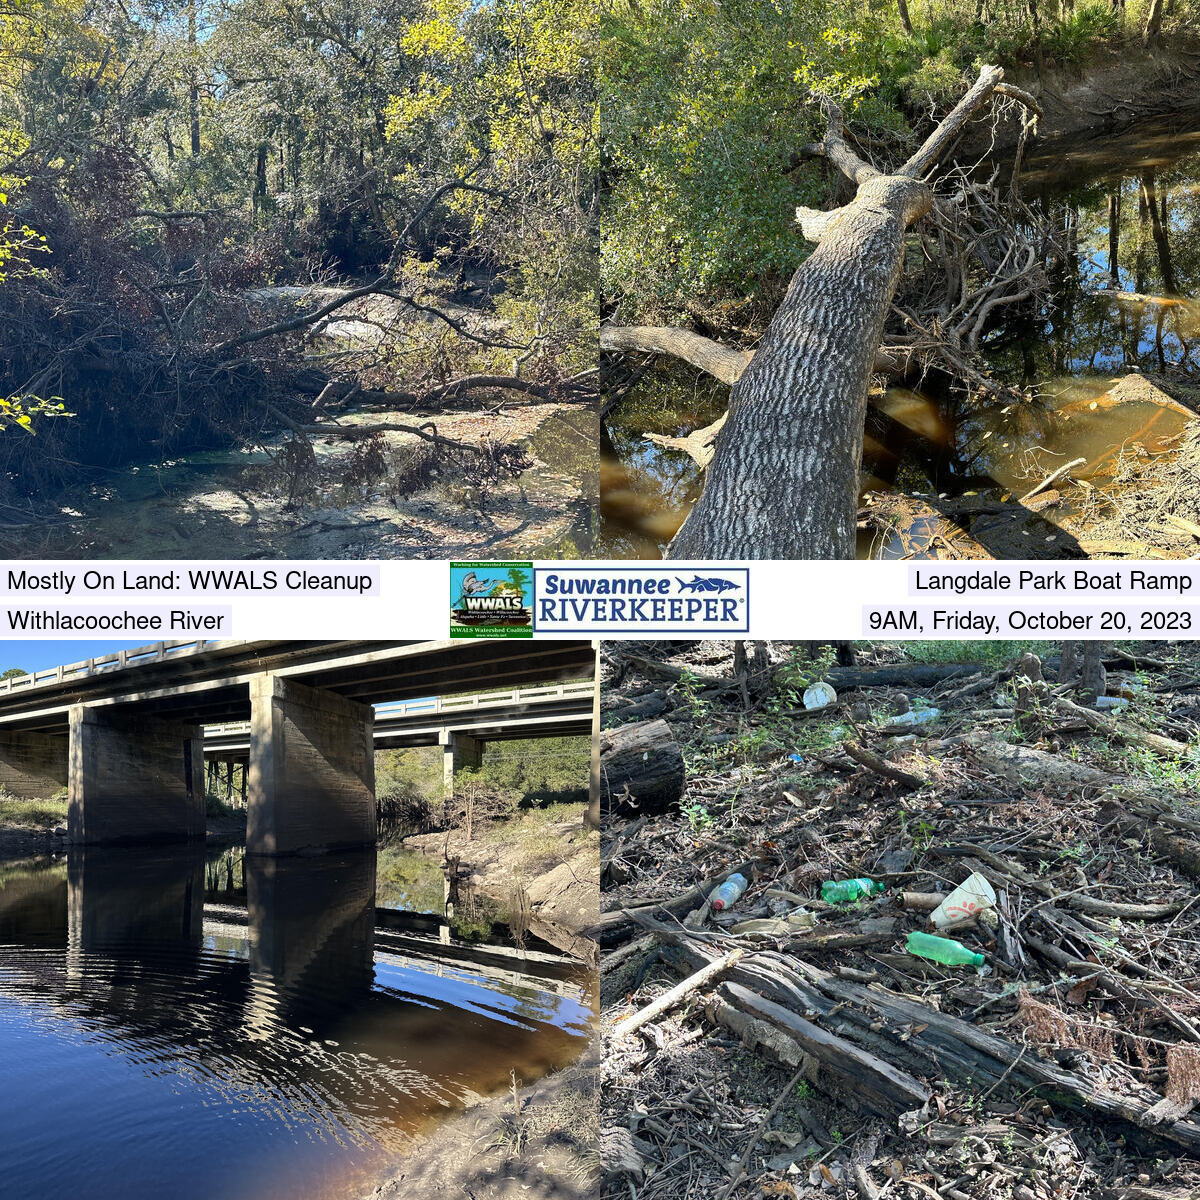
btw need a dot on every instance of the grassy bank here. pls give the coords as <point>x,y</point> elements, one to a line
<point>18,813</point>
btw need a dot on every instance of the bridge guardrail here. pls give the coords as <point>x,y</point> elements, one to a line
<point>432,706</point>
<point>155,652</point>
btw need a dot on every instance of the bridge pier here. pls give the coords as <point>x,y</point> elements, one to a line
<point>134,778</point>
<point>33,765</point>
<point>135,898</point>
<point>458,750</point>
<point>311,932</point>
<point>312,769</point>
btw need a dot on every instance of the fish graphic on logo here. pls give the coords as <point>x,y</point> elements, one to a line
<point>705,583</point>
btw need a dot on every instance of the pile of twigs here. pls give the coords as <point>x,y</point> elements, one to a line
<point>805,1052</point>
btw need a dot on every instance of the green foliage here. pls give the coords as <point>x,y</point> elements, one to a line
<point>990,654</point>
<point>13,673</point>
<point>215,805</point>
<point>698,816</point>
<point>408,789</point>
<point>705,106</point>
<point>538,771</point>
<point>801,671</point>
<point>1171,774</point>
<point>16,812</point>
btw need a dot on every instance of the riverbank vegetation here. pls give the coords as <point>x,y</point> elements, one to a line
<point>292,224</point>
<point>819,1055</point>
<point>730,121</point>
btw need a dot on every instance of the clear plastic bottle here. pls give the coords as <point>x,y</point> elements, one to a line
<point>842,891</point>
<point>727,893</point>
<point>943,950</point>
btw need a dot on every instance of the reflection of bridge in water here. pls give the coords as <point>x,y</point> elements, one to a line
<point>125,734</point>
<point>302,1003</point>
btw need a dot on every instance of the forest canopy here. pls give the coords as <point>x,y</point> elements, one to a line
<point>709,105</point>
<point>164,161</point>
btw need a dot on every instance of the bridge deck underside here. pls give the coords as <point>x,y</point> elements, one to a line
<point>217,690</point>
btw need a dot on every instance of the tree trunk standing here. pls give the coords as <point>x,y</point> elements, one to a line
<point>784,477</point>
<point>260,178</point>
<point>1082,664</point>
<point>902,5</point>
<point>1114,237</point>
<point>1153,27</point>
<point>194,89</point>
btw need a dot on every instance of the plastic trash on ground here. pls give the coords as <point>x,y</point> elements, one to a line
<point>777,926</point>
<point>842,891</point>
<point>727,893</point>
<point>1112,703</point>
<point>969,899</point>
<point>942,949</point>
<point>916,716</point>
<point>820,695</point>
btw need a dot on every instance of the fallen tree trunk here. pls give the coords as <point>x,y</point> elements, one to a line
<point>914,675</point>
<point>917,1039</point>
<point>1134,806</point>
<point>783,481</point>
<point>834,1064</point>
<point>641,768</point>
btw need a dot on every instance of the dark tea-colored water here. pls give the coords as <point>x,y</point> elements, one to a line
<point>171,1027</point>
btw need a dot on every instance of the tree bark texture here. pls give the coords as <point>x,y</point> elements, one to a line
<point>641,768</point>
<point>783,481</point>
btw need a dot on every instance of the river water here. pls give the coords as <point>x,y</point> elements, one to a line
<point>190,1024</point>
<point>1126,302</point>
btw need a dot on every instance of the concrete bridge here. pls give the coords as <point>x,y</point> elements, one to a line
<point>461,725</point>
<point>125,733</point>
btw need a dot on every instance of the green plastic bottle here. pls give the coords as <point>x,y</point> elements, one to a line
<point>842,891</point>
<point>943,950</point>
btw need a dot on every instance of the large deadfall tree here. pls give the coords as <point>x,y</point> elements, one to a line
<point>783,465</point>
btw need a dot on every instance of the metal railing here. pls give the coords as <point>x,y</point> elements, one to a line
<point>433,706</point>
<point>136,657</point>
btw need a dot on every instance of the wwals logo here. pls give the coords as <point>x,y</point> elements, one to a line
<point>491,600</point>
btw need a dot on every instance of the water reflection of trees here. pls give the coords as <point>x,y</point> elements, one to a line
<point>1124,294</point>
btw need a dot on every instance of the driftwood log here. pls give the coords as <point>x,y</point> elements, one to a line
<point>641,768</point>
<point>911,1039</point>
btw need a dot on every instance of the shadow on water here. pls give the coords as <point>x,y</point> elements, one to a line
<point>239,1027</point>
<point>1125,307</point>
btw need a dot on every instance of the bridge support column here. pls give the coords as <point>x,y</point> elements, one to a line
<point>312,769</point>
<point>458,750</point>
<point>33,765</point>
<point>134,778</point>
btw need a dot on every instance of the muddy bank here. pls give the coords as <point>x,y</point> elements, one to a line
<point>556,868</point>
<point>536,1145</point>
<point>1118,88</point>
<point>241,504</point>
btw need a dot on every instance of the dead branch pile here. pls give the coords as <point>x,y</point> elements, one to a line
<point>807,1053</point>
<point>1157,501</point>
